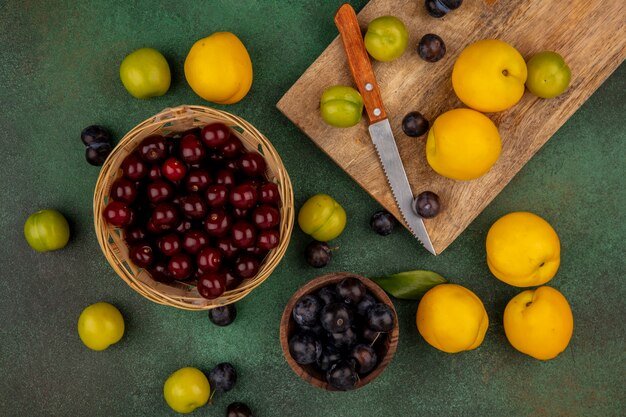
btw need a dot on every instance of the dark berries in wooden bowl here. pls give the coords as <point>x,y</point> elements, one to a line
<point>342,375</point>
<point>339,331</point>
<point>351,291</point>
<point>195,208</point>
<point>380,318</point>
<point>307,310</point>
<point>305,348</point>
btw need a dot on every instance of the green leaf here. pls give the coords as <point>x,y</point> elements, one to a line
<point>409,285</point>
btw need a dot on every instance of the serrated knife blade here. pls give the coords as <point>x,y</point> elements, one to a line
<point>385,144</point>
<point>379,129</point>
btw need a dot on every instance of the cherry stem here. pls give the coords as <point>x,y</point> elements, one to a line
<point>375,339</point>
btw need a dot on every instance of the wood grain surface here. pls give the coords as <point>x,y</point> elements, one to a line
<point>590,34</point>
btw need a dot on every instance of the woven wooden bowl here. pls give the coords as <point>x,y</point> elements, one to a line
<point>288,327</point>
<point>111,239</point>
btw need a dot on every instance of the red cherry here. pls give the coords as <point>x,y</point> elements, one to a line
<point>252,164</point>
<point>265,217</point>
<point>215,135</point>
<point>243,234</point>
<point>225,245</point>
<point>256,251</point>
<point>217,223</point>
<point>225,177</point>
<point>246,266</point>
<point>183,226</point>
<point>195,131</point>
<point>134,234</point>
<point>191,149</point>
<point>154,173</point>
<point>232,164</point>
<point>253,182</point>
<point>159,272</point>
<point>193,206</point>
<point>172,146</point>
<point>133,167</point>
<point>153,228</point>
<point>118,214</point>
<point>232,280</point>
<point>211,285</point>
<point>243,196</point>
<point>209,260</point>
<point>215,159</point>
<point>159,191</point>
<point>216,195</point>
<point>268,193</point>
<point>165,216</point>
<point>194,240</point>
<point>268,239</point>
<point>141,254</point>
<point>233,148</point>
<point>197,180</point>
<point>240,214</point>
<point>153,148</point>
<point>123,190</point>
<point>173,169</point>
<point>180,266</point>
<point>169,245</point>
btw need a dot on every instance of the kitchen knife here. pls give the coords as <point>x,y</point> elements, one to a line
<point>380,129</point>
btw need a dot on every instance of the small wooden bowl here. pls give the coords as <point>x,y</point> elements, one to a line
<point>111,239</point>
<point>288,326</point>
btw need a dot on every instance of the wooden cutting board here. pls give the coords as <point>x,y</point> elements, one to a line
<point>590,34</point>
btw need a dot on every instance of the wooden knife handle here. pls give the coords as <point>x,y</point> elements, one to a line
<point>359,62</point>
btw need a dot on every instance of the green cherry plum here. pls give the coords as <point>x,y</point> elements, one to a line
<point>341,106</point>
<point>386,38</point>
<point>46,230</point>
<point>548,75</point>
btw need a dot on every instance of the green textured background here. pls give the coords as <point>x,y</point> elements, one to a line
<point>59,73</point>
